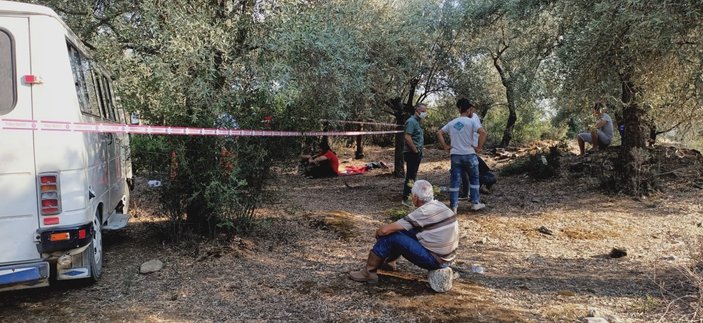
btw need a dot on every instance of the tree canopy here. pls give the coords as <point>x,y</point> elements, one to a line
<point>528,65</point>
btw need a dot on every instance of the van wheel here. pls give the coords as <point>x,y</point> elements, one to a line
<point>95,250</point>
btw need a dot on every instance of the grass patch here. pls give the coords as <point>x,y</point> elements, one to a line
<point>397,213</point>
<point>581,234</point>
<point>565,312</point>
<point>647,304</point>
<point>340,222</point>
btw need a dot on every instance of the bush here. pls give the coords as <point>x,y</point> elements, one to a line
<point>212,184</point>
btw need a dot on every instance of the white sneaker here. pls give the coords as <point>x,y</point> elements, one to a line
<point>477,206</point>
<point>454,209</point>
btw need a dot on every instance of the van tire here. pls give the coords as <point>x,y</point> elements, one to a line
<point>95,251</point>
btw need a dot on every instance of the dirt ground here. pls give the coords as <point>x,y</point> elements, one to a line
<point>294,268</point>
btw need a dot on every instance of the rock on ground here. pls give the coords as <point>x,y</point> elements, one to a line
<point>151,266</point>
<point>440,279</point>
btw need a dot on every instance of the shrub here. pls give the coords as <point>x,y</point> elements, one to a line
<point>211,184</point>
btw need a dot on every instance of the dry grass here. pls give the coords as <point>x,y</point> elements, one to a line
<point>340,222</point>
<point>564,312</point>
<point>585,234</point>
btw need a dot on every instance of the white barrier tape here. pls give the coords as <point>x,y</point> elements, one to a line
<point>361,122</point>
<point>348,133</point>
<point>39,125</point>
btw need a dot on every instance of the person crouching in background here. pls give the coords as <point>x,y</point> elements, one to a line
<point>324,164</point>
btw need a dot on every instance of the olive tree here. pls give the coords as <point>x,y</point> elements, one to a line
<point>644,53</point>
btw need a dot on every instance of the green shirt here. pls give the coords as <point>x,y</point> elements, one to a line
<point>412,127</point>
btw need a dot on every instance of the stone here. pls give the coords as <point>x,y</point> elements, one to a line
<point>535,259</point>
<point>593,312</point>
<point>151,266</point>
<point>544,230</point>
<point>594,320</point>
<point>440,280</point>
<point>618,253</point>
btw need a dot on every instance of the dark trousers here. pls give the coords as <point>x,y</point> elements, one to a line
<point>412,164</point>
<point>324,169</point>
<point>485,178</point>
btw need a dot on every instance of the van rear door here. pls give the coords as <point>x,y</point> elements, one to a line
<point>19,218</point>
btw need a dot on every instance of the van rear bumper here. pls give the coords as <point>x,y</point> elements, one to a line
<point>29,275</point>
<point>71,237</point>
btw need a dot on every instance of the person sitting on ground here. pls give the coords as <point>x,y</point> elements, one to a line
<point>427,237</point>
<point>486,179</point>
<point>601,134</point>
<point>324,164</point>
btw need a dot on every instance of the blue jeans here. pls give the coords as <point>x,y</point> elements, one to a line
<point>404,243</point>
<point>412,162</point>
<point>460,164</point>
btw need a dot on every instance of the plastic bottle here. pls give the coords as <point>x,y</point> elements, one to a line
<point>477,269</point>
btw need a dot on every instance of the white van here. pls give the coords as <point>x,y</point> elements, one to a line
<point>58,189</point>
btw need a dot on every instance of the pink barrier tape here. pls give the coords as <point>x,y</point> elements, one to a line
<point>39,125</point>
<point>348,133</point>
<point>361,122</point>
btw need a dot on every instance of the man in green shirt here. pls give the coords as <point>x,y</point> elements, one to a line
<point>412,149</point>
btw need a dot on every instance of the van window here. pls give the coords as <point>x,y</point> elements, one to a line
<point>108,98</point>
<point>92,86</point>
<point>101,97</point>
<point>83,79</point>
<point>8,86</point>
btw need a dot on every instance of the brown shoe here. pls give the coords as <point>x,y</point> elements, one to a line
<point>389,266</point>
<point>368,275</point>
<point>363,276</point>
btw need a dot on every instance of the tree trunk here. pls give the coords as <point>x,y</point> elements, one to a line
<point>396,108</point>
<point>399,170</point>
<point>483,110</point>
<point>359,154</point>
<point>634,136</point>
<point>401,112</point>
<point>512,116</point>
<point>634,180</point>
<point>508,82</point>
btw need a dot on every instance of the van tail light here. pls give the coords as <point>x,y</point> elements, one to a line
<point>49,194</point>
<point>32,79</point>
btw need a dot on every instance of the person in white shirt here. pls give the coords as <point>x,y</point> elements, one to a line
<point>601,134</point>
<point>463,150</point>
<point>427,237</point>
